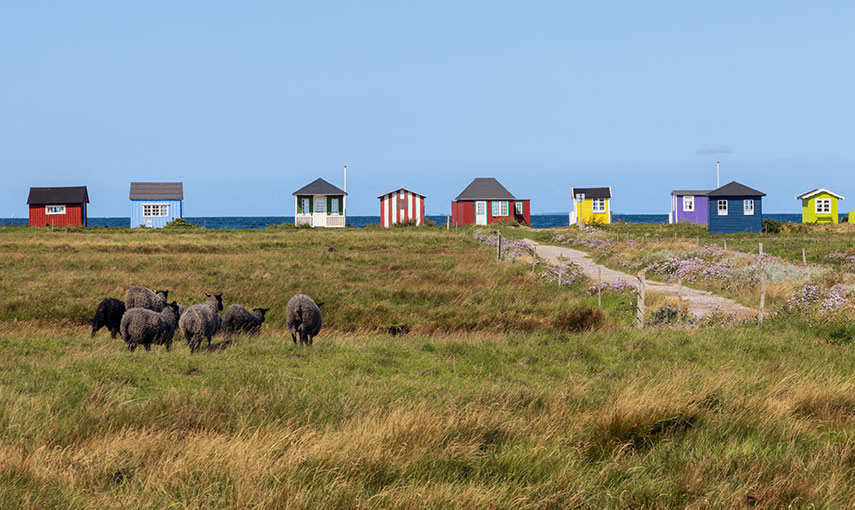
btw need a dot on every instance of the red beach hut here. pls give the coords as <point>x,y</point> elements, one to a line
<point>486,201</point>
<point>400,206</point>
<point>65,206</point>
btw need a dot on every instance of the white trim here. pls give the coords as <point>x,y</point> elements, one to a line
<point>161,207</point>
<point>501,206</point>
<point>484,216</point>
<point>60,209</point>
<point>595,202</point>
<point>815,192</point>
<point>409,205</point>
<point>692,201</point>
<point>418,207</point>
<point>721,212</point>
<point>394,211</point>
<point>746,211</point>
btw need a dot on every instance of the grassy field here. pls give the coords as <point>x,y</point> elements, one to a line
<point>442,379</point>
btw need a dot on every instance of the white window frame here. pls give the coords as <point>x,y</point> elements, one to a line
<point>499,208</point>
<point>320,206</point>
<point>598,205</point>
<point>54,209</point>
<point>826,202</point>
<point>748,207</point>
<point>518,208</point>
<point>722,211</point>
<point>334,208</point>
<point>306,204</point>
<point>689,203</point>
<point>155,210</point>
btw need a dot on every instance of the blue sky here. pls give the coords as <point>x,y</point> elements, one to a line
<point>246,102</point>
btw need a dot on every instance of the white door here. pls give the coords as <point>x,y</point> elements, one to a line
<point>480,213</point>
<point>319,217</point>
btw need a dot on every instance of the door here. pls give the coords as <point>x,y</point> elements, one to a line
<point>319,218</point>
<point>480,212</point>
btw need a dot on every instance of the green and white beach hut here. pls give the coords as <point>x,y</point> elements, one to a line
<point>819,206</point>
<point>320,204</point>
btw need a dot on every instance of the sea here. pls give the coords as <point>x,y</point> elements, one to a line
<point>259,222</point>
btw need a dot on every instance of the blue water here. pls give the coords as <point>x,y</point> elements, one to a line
<point>256,222</point>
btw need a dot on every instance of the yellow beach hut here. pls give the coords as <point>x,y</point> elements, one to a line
<point>819,206</point>
<point>591,205</point>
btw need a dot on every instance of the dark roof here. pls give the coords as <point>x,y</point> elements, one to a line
<point>157,191</point>
<point>734,189</point>
<point>694,192</point>
<point>401,189</point>
<point>592,192</point>
<point>319,187</point>
<point>485,188</point>
<point>64,195</point>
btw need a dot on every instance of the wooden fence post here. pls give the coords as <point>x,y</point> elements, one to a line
<point>762,296</point>
<point>499,247</point>
<point>761,248</point>
<point>725,245</point>
<point>534,258</point>
<point>680,300</point>
<point>448,223</point>
<point>599,286</point>
<point>639,316</point>
<point>697,241</point>
<point>804,257</point>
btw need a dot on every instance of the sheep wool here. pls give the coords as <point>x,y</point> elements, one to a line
<point>201,321</point>
<point>108,315</point>
<point>141,297</point>
<point>238,320</point>
<point>303,316</point>
<point>141,326</point>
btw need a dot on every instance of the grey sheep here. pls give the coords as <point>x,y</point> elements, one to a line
<point>141,297</point>
<point>108,314</point>
<point>238,320</point>
<point>304,318</point>
<point>141,326</point>
<point>201,321</point>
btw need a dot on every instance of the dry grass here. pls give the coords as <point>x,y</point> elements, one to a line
<point>486,416</point>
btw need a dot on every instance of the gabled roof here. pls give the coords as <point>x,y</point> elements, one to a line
<point>157,191</point>
<point>692,192</point>
<point>485,188</point>
<point>319,187</point>
<point>817,191</point>
<point>62,195</point>
<point>592,192</point>
<point>401,189</point>
<point>734,189</point>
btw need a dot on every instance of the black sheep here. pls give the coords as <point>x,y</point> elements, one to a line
<point>109,315</point>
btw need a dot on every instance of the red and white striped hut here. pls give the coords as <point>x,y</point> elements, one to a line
<point>401,205</point>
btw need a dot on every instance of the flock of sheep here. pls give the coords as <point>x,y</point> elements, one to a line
<point>146,318</point>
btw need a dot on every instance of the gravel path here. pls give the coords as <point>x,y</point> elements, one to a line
<point>698,302</point>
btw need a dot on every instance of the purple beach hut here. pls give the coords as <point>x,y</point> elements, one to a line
<point>689,205</point>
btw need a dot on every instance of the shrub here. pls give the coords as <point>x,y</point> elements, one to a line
<point>666,314</point>
<point>772,226</point>
<point>179,223</point>
<point>403,224</point>
<point>579,319</point>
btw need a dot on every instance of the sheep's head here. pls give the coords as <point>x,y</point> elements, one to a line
<point>261,312</point>
<point>174,306</point>
<point>219,298</point>
<point>162,294</point>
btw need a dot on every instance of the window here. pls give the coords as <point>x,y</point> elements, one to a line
<point>306,206</point>
<point>155,210</point>
<point>518,208</point>
<point>500,208</point>
<point>722,207</point>
<point>599,205</point>
<point>688,203</point>
<point>333,206</point>
<point>319,206</point>
<point>748,207</point>
<point>823,206</point>
<point>480,208</point>
<point>55,209</point>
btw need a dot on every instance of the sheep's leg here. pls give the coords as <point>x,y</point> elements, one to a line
<point>132,346</point>
<point>310,340</point>
<point>209,340</point>
<point>147,347</point>
<point>294,337</point>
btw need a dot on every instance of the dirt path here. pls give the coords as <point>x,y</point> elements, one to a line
<point>698,302</point>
